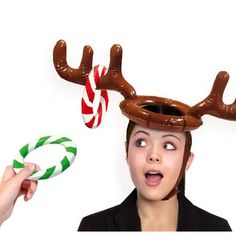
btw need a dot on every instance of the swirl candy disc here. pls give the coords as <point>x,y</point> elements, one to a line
<point>50,172</point>
<point>92,119</point>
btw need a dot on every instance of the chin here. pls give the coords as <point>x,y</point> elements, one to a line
<point>152,194</point>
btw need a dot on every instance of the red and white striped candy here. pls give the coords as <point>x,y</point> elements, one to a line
<point>93,119</point>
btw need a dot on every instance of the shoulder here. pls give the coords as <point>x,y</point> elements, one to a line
<point>99,221</point>
<point>197,219</point>
<point>211,222</point>
<point>123,217</point>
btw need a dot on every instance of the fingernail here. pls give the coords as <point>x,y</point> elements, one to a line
<point>31,166</point>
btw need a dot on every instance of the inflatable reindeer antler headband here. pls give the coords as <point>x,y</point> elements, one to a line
<point>132,105</point>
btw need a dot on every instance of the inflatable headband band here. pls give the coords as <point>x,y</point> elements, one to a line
<point>132,105</point>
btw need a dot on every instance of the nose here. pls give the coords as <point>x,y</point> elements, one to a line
<point>154,156</point>
<point>153,159</point>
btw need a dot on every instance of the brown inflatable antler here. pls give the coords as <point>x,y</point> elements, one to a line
<point>132,106</point>
<point>213,104</point>
<point>113,80</point>
<point>79,75</point>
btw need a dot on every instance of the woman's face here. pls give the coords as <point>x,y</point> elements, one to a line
<point>155,160</point>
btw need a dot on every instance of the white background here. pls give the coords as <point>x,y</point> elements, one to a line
<point>170,48</point>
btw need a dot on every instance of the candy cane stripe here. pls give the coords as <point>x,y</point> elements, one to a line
<point>65,163</point>
<point>31,146</point>
<point>24,150</point>
<point>87,117</point>
<point>19,158</point>
<point>104,96</point>
<point>90,91</point>
<point>86,99</point>
<point>96,76</point>
<point>70,157</point>
<point>61,140</point>
<point>48,173</point>
<point>42,141</point>
<point>94,82</point>
<point>35,175</point>
<point>103,70</point>
<point>18,164</point>
<point>72,150</point>
<point>86,109</point>
<point>57,170</point>
<point>90,123</point>
<point>99,114</point>
<point>93,119</point>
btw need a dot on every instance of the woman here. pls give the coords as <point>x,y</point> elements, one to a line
<point>157,161</point>
<point>157,157</point>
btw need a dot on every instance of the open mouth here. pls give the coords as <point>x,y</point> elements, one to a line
<point>153,178</point>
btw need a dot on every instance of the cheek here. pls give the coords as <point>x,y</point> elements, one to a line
<point>174,164</point>
<point>136,162</point>
<point>135,159</point>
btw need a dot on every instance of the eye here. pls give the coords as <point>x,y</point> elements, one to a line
<point>169,146</point>
<point>140,143</point>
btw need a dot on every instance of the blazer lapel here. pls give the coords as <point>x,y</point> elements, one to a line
<point>188,219</point>
<point>127,218</point>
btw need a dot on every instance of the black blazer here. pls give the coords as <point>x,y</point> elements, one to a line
<point>124,217</point>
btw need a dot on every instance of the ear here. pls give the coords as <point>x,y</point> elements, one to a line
<point>189,162</point>
<point>126,152</point>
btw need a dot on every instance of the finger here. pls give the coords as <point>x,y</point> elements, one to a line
<point>8,174</point>
<point>24,173</point>
<point>30,191</point>
<point>26,184</point>
<point>30,164</point>
<point>36,167</point>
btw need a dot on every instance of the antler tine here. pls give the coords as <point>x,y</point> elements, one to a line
<point>113,79</point>
<point>65,71</point>
<point>213,104</point>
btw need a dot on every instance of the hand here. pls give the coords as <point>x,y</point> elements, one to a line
<point>14,185</point>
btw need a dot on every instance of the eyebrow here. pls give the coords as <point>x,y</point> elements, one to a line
<point>141,131</point>
<point>163,136</point>
<point>171,135</point>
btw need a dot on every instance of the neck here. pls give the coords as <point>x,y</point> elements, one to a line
<point>158,215</point>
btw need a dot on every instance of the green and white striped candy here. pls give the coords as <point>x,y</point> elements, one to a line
<point>50,172</point>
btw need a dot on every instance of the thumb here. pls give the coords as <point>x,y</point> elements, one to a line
<point>24,173</point>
